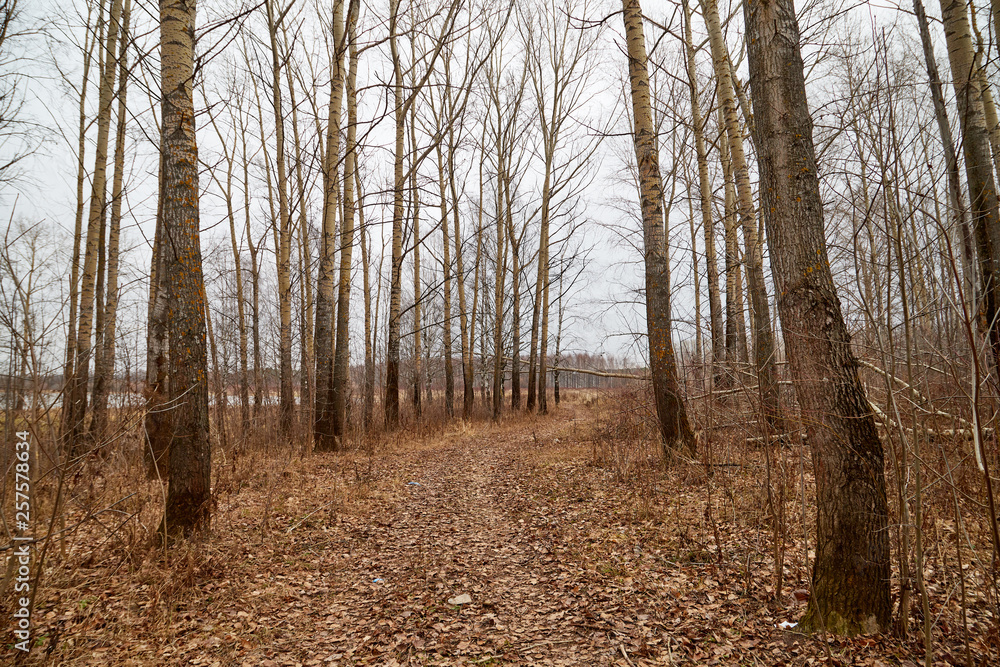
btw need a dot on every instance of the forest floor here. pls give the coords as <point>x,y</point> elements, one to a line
<point>517,544</point>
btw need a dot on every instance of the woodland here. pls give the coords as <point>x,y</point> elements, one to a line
<point>465,332</point>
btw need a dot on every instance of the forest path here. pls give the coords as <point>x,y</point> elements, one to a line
<point>465,528</point>
<point>572,542</point>
<point>500,513</point>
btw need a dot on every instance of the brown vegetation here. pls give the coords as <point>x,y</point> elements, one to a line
<point>574,542</point>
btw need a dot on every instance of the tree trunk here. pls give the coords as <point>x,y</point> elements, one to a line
<point>156,421</point>
<point>286,387</point>
<point>307,367</point>
<point>705,189</point>
<point>323,433</point>
<point>476,274</point>
<point>258,381</point>
<point>395,285</point>
<point>515,327</point>
<point>219,374</point>
<point>674,426</point>
<point>543,338</point>
<point>534,352</point>
<point>736,336</point>
<point>985,92</point>
<point>81,177</point>
<point>104,366</point>
<point>449,372</point>
<point>417,241</point>
<point>342,356</point>
<point>465,323</point>
<point>559,327</point>
<point>498,296</point>
<point>850,583</point>
<point>74,417</point>
<point>950,157</point>
<point>238,273</point>
<point>369,385</point>
<point>188,507</point>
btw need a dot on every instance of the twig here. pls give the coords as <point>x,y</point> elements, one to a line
<point>303,519</point>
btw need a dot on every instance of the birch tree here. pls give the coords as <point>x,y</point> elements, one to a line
<point>75,408</point>
<point>324,437</point>
<point>674,426</point>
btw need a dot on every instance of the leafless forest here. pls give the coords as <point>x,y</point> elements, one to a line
<point>564,332</point>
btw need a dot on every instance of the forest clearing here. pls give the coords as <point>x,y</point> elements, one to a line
<point>573,543</point>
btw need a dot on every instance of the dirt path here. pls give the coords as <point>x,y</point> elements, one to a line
<point>462,529</point>
<point>365,560</point>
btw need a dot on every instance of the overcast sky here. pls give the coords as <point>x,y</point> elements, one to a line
<point>604,307</point>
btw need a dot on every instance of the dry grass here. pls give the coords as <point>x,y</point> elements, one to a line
<point>589,478</point>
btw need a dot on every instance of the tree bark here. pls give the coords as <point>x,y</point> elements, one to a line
<point>736,335</point>
<point>395,323</point>
<point>323,432</point>
<point>674,426</point>
<point>188,507</point>
<point>342,356</point>
<point>156,421</point>
<point>705,201</point>
<point>850,581</point>
<point>104,365</point>
<point>76,414</point>
<point>286,387</point>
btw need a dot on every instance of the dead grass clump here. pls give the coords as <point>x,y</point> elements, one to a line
<point>624,432</point>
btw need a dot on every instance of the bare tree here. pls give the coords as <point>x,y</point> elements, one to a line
<point>850,582</point>
<point>705,200</point>
<point>104,366</point>
<point>342,357</point>
<point>324,438</point>
<point>75,408</point>
<point>401,110</point>
<point>763,337</point>
<point>674,426</point>
<point>188,506</point>
<point>560,59</point>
